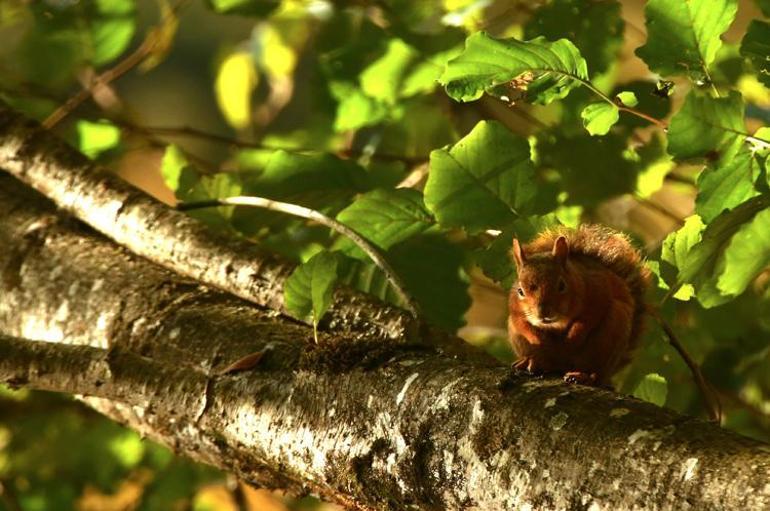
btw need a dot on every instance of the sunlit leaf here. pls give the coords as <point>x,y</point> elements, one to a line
<point>683,36</point>
<point>95,138</point>
<point>545,70</point>
<point>599,117</point>
<point>386,217</point>
<point>236,79</point>
<point>705,125</point>
<point>486,180</point>
<point>308,290</point>
<point>746,255</point>
<point>627,98</point>
<point>382,79</point>
<point>653,389</point>
<point>726,184</point>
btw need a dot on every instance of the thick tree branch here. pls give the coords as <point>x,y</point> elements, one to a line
<point>365,423</point>
<point>170,238</point>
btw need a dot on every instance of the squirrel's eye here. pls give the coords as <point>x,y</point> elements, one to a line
<point>562,286</point>
<point>521,292</point>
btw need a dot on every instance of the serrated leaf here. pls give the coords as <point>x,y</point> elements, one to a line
<point>683,36</point>
<point>595,27</point>
<point>703,263</point>
<point>598,118</point>
<point>755,46</point>
<point>704,125</point>
<point>386,217</point>
<point>653,388</point>
<point>546,70</point>
<point>747,254</point>
<point>307,293</point>
<point>485,180</point>
<point>724,185</point>
<point>95,138</point>
<point>627,98</point>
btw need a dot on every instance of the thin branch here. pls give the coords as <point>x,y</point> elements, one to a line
<point>148,46</point>
<point>374,253</point>
<point>713,405</point>
<point>187,131</point>
<point>659,208</point>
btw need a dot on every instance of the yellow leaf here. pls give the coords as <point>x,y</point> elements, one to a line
<point>236,80</point>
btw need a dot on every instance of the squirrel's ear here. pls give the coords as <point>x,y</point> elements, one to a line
<point>518,254</point>
<point>560,249</point>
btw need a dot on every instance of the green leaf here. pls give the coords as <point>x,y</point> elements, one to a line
<point>747,254</point>
<point>703,264</point>
<point>128,448</point>
<point>704,125</point>
<point>599,117</point>
<point>308,291</point>
<point>95,138</point>
<point>727,184</point>
<point>764,6</point>
<point>235,82</point>
<point>755,46</point>
<point>595,27</point>
<point>676,250</point>
<point>627,98</point>
<point>171,166</point>
<point>545,70</point>
<point>653,389</point>
<point>386,217</point>
<point>112,29</point>
<point>683,36</point>
<point>382,79</point>
<point>356,110</point>
<point>485,180</point>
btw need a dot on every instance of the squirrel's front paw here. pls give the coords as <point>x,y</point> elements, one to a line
<point>526,364</point>
<point>577,377</point>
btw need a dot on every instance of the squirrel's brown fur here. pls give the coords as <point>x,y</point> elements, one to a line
<point>593,323</point>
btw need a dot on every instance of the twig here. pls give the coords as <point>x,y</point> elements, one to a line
<point>659,208</point>
<point>150,42</point>
<point>711,398</point>
<point>371,250</point>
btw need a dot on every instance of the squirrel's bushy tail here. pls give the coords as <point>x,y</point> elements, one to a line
<point>613,250</point>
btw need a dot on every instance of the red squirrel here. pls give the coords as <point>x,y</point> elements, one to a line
<point>578,307</point>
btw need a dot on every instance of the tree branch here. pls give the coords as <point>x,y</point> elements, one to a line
<point>368,424</point>
<point>170,238</point>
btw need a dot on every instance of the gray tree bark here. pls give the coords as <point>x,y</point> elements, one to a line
<point>357,420</point>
